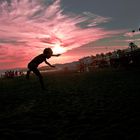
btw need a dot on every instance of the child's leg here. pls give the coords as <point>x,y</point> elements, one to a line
<point>28,73</point>
<point>37,73</point>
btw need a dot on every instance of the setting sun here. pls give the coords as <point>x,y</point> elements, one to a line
<point>57,49</point>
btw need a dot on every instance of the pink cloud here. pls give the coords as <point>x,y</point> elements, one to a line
<point>29,27</point>
<point>96,19</point>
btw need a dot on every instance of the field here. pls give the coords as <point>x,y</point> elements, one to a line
<point>97,105</point>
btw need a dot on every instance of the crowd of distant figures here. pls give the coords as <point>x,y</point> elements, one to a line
<point>12,74</point>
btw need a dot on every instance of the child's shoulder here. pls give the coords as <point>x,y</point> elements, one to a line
<point>41,55</point>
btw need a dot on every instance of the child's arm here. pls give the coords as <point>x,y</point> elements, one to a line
<point>56,55</point>
<point>49,64</point>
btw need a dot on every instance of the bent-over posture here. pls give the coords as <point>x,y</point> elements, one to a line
<point>33,64</point>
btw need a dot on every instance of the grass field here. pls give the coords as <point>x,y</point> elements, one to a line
<point>97,105</point>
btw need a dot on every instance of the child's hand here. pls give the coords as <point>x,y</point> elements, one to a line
<point>58,54</point>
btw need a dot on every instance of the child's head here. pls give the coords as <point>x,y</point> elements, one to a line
<point>48,52</point>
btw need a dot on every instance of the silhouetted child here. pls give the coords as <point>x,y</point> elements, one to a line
<point>33,64</point>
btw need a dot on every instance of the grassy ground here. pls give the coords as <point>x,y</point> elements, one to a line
<point>97,105</point>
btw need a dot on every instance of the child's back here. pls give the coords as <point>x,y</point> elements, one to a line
<point>38,59</point>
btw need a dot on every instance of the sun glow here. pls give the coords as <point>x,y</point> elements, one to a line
<point>57,49</point>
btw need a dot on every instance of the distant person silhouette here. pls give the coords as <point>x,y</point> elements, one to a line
<point>132,46</point>
<point>33,64</point>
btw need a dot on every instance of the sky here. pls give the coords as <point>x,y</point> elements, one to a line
<point>74,28</point>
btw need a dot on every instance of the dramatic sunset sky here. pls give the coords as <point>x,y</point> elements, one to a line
<point>75,28</point>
